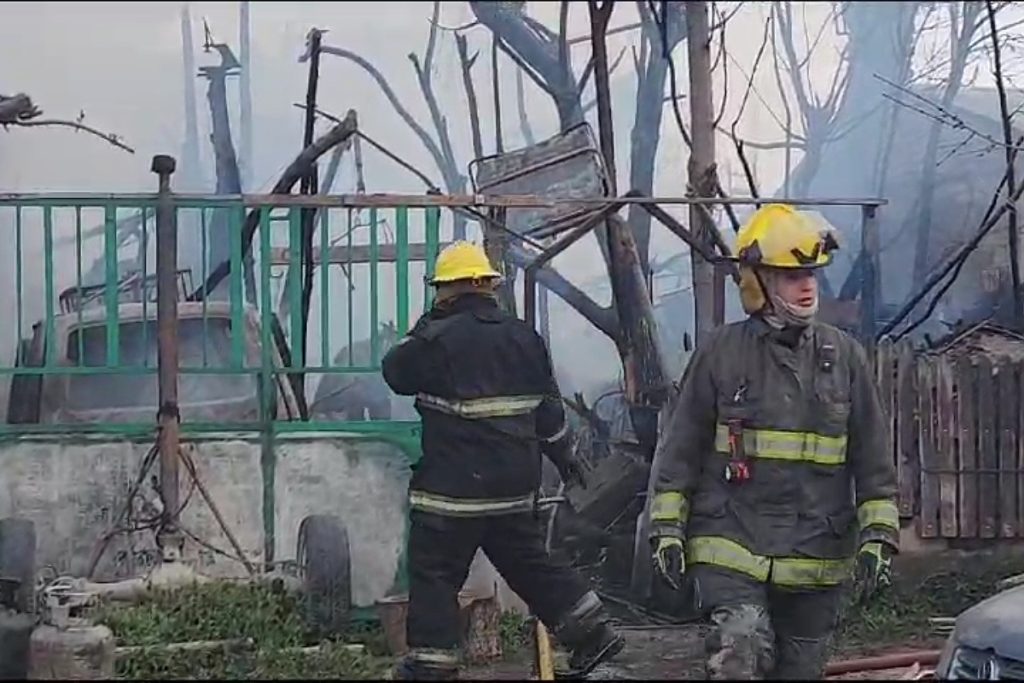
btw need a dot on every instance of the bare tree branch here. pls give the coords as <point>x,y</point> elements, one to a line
<point>524,119</point>
<point>529,42</point>
<point>423,75</point>
<point>389,93</point>
<point>1011,183</point>
<point>455,29</point>
<point>296,170</point>
<point>725,73</point>
<point>467,82</point>
<point>564,57</point>
<point>19,110</point>
<point>787,127</point>
<point>115,140</point>
<point>737,143</point>
<point>942,115</point>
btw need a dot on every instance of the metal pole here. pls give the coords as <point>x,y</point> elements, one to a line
<point>530,295</point>
<point>167,339</point>
<point>871,284</point>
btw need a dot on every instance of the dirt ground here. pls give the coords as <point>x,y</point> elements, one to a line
<point>940,584</point>
<point>652,653</point>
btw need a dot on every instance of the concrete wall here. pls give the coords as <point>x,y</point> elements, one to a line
<point>72,489</point>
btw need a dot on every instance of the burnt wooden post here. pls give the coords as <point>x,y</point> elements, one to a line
<point>871,274</point>
<point>167,339</point>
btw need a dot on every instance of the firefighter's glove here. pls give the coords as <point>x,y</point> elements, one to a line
<point>874,570</point>
<point>669,560</point>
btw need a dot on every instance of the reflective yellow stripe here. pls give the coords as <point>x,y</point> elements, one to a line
<point>878,513</point>
<point>783,571</point>
<point>798,571</point>
<point>432,502</point>
<point>774,444</point>
<point>559,434</point>
<point>482,408</point>
<point>725,553</point>
<point>434,656</point>
<point>670,506</point>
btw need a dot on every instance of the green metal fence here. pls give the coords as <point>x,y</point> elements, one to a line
<point>81,309</point>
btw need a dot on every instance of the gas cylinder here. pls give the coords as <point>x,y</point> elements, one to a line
<point>67,646</point>
<point>15,631</point>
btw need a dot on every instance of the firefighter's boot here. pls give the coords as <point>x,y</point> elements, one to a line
<point>427,666</point>
<point>589,636</point>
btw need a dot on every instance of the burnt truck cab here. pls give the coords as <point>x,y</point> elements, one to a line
<point>96,394</point>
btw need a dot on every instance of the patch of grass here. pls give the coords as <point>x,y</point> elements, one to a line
<point>515,633</point>
<point>222,611</point>
<point>941,588</point>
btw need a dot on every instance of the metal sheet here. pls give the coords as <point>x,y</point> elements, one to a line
<point>565,166</point>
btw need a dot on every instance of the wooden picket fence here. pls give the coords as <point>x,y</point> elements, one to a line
<point>957,437</point>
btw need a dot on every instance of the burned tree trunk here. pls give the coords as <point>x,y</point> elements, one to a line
<point>638,345</point>
<point>652,70</point>
<point>538,51</point>
<point>229,180</point>
<point>245,95</point>
<point>701,167</point>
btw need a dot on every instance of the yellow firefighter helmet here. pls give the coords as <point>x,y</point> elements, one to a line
<point>779,236</point>
<point>462,261</point>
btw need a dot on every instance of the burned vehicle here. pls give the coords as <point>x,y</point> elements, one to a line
<point>987,642</point>
<point>78,339</point>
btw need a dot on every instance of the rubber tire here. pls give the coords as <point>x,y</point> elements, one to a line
<point>323,555</point>
<point>18,558</point>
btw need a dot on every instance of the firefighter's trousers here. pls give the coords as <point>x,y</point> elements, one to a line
<point>764,631</point>
<point>441,550</point>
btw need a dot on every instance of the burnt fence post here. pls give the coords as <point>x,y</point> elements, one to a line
<point>168,416</point>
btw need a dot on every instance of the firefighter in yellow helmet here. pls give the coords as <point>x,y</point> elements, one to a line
<point>773,483</point>
<point>490,407</point>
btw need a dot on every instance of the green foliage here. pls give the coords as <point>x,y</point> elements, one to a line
<point>514,632</point>
<point>942,588</point>
<point>223,611</point>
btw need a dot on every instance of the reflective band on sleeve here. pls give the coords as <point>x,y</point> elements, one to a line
<point>434,656</point>
<point>773,444</point>
<point>559,434</point>
<point>878,513</point>
<point>670,506</point>
<point>468,507</point>
<point>798,571</point>
<point>482,408</point>
<point>722,552</point>
<point>783,571</point>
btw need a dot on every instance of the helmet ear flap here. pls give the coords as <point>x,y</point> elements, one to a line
<point>751,253</point>
<point>752,294</point>
<point>829,242</point>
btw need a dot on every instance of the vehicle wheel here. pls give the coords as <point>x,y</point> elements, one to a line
<point>323,558</point>
<point>18,558</point>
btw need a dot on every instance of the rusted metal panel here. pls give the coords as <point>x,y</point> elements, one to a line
<point>988,460</point>
<point>946,427</point>
<point>929,519</point>
<point>565,166</point>
<point>966,377</point>
<point>1007,379</point>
